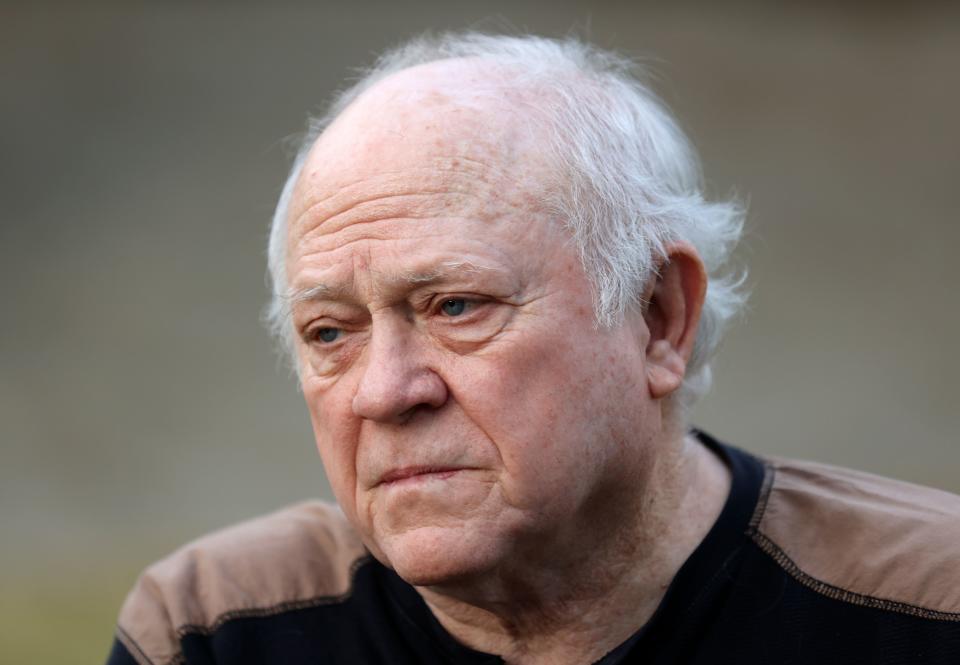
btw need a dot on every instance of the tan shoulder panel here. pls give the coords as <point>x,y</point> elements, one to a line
<point>865,539</point>
<point>301,555</point>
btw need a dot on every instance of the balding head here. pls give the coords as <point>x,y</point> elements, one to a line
<point>430,119</point>
<point>609,160</point>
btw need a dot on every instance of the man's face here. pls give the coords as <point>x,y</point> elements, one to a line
<point>467,408</point>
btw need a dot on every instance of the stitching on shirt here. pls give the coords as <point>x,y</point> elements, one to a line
<point>139,655</point>
<point>133,647</point>
<point>765,488</point>
<point>279,608</point>
<point>836,593</point>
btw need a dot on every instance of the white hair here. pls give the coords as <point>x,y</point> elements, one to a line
<point>628,181</point>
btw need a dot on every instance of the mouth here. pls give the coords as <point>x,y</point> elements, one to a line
<point>414,473</point>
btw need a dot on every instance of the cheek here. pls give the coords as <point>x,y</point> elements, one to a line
<point>558,412</point>
<point>335,430</point>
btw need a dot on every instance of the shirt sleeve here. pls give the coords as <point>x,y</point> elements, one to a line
<point>119,655</point>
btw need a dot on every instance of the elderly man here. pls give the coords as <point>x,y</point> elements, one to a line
<point>498,278</point>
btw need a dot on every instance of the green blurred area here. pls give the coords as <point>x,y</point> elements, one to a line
<point>61,620</point>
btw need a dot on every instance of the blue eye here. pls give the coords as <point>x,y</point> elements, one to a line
<point>453,306</point>
<point>328,334</point>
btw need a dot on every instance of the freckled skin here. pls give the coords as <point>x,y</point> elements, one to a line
<point>548,419</point>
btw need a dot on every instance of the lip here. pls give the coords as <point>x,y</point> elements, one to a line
<point>409,473</point>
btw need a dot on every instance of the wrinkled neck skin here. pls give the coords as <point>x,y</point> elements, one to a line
<point>574,599</point>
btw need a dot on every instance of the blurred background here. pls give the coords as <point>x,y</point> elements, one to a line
<point>141,152</point>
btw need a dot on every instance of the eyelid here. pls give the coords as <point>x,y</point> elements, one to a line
<point>438,299</point>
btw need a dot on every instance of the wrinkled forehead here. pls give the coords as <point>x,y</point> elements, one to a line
<point>435,123</point>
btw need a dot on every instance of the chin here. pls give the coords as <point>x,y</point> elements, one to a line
<point>435,556</point>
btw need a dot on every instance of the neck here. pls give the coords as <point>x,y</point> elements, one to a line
<point>545,608</point>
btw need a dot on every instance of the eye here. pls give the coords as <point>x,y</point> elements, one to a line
<point>328,335</point>
<point>453,306</point>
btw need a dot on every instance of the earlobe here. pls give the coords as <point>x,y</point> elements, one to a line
<point>665,369</point>
<point>672,315</point>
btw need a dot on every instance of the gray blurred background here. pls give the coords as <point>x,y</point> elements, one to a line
<point>140,156</point>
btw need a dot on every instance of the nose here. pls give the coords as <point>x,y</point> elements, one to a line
<point>396,382</point>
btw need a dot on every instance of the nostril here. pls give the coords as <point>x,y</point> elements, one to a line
<point>430,393</point>
<point>412,412</point>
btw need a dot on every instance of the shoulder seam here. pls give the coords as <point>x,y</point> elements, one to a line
<point>765,488</point>
<point>138,654</point>
<point>836,593</point>
<point>131,645</point>
<point>279,608</point>
<point>196,629</point>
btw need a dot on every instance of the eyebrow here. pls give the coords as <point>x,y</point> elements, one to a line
<point>442,272</point>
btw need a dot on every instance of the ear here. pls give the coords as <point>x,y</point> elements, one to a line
<point>674,300</point>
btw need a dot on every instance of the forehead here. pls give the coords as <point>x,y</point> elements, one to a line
<point>432,164</point>
<point>454,127</point>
